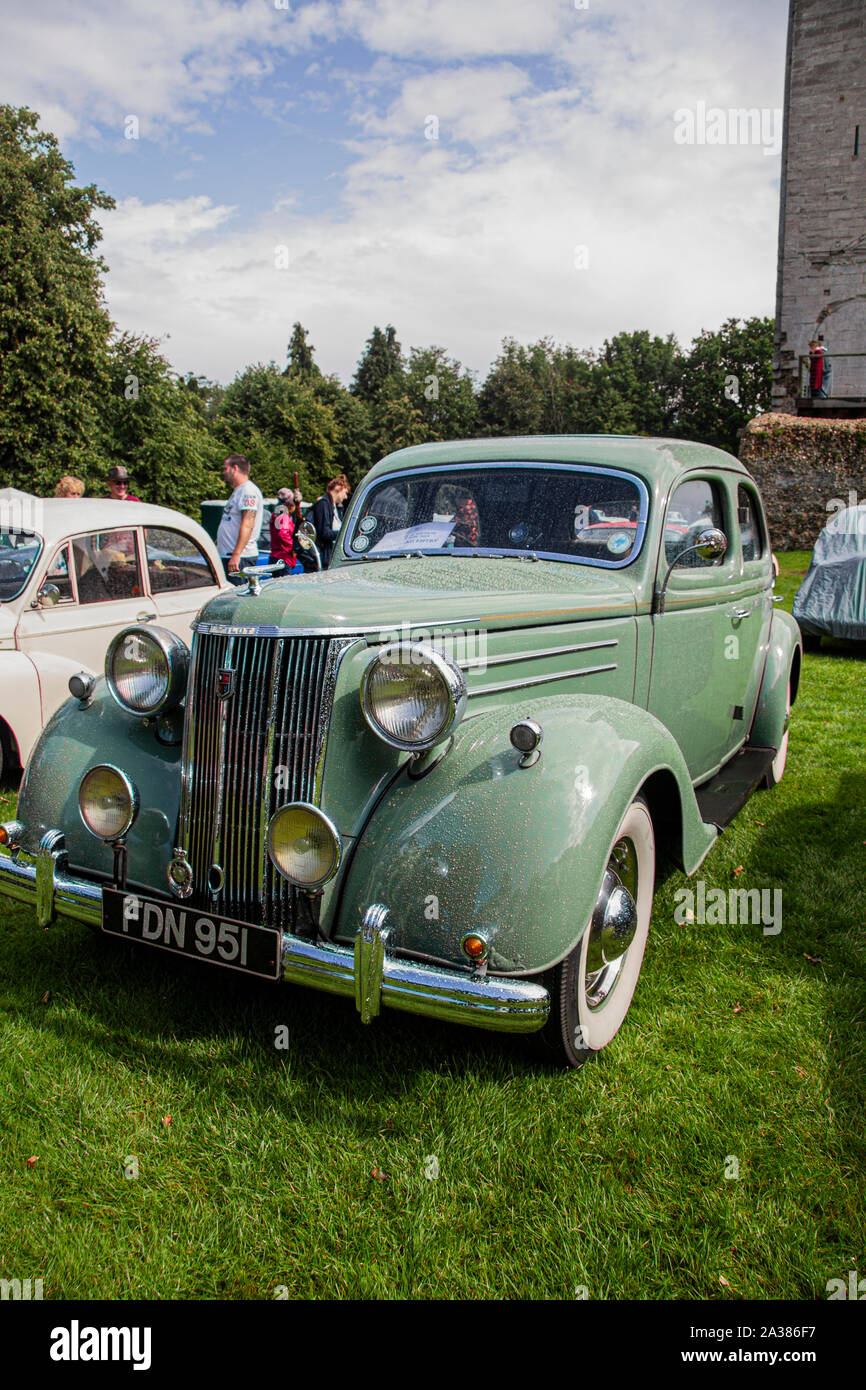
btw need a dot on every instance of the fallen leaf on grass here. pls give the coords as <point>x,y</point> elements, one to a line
<point>814,960</point>
<point>46,996</point>
<point>738,870</point>
<point>723,1280</point>
<point>801,1072</point>
<point>738,1008</point>
<point>166,1120</point>
<point>378,1174</point>
<point>31,1162</point>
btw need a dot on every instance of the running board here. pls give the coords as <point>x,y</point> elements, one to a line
<point>725,795</point>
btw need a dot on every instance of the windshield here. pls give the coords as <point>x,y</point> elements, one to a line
<point>590,515</point>
<point>19,551</point>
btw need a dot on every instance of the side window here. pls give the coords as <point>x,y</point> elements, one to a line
<point>749,517</point>
<point>59,574</point>
<point>106,566</point>
<point>174,561</point>
<point>695,506</point>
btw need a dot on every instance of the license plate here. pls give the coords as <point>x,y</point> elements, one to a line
<point>187,931</point>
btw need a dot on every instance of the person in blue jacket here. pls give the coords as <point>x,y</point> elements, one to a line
<point>327,518</point>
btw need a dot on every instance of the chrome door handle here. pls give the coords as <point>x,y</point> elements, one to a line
<point>740,613</point>
<point>145,617</point>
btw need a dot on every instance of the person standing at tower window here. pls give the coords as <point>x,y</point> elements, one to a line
<point>819,370</point>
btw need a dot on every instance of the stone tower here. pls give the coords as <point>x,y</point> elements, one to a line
<point>821,284</point>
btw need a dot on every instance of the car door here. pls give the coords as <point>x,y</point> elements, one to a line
<point>101,590</point>
<point>180,577</point>
<point>699,656</point>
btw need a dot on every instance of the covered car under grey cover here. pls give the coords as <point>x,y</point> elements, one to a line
<point>831,601</point>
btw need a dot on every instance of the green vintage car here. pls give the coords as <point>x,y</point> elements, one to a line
<point>436,776</point>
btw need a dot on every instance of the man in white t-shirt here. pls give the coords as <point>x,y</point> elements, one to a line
<point>238,535</point>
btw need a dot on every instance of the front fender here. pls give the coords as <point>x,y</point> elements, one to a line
<point>481,844</point>
<point>21,706</point>
<point>75,739</point>
<point>784,659</point>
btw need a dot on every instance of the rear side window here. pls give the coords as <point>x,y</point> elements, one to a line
<point>174,561</point>
<point>106,566</point>
<point>749,517</point>
<point>696,506</point>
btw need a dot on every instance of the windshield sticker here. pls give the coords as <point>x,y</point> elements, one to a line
<point>619,542</point>
<point>431,536</point>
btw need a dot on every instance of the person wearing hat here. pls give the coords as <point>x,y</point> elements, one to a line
<point>118,484</point>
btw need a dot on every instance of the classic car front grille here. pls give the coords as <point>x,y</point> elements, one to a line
<point>246,754</point>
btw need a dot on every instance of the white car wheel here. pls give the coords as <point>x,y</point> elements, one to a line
<point>591,990</point>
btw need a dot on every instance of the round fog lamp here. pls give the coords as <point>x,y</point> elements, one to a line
<point>304,845</point>
<point>108,802</point>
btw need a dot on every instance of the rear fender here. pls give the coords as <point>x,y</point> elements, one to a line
<point>784,659</point>
<point>482,844</point>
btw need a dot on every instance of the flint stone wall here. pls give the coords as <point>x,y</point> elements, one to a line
<point>800,466</point>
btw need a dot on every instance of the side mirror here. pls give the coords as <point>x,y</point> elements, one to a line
<point>47,597</point>
<point>711,544</point>
<point>307,528</point>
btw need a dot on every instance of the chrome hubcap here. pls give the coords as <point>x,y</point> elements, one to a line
<point>613,925</point>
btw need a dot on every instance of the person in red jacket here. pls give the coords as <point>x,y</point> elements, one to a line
<point>283,530</point>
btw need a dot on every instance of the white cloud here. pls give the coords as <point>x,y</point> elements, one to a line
<point>556,131</point>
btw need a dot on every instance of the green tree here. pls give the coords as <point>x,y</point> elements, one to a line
<point>443,393</point>
<point>282,427</point>
<point>727,379</point>
<point>637,378</point>
<point>381,364</point>
<point>300,352</point>
<point>153,423</point>
<point>54,329</point>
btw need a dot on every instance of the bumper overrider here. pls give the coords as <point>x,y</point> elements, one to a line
<point>367,972</point>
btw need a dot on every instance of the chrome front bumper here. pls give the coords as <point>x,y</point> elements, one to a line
<point>367,972</point>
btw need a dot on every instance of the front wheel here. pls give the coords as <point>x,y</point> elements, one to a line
<point>590,991</point>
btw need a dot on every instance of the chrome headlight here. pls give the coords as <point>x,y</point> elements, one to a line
<point>412,696</point>
<point>304,845</point>
<point>108,802</point>
<point>146,669</point>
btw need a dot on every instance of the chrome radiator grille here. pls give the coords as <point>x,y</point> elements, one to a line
<point>245,755</point>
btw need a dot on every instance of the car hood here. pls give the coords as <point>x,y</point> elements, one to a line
<point>478,591</point>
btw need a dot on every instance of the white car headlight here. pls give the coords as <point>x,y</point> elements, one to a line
<point>412,696</point>
<point>146,669</point>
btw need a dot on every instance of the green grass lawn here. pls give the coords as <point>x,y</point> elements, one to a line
<point>308,1167</point>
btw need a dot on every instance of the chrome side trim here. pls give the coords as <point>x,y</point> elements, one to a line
<point>539,680</point>
<point>533,656</point>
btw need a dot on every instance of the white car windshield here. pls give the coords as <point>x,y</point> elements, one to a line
<point>19,551</point>
<point>574,513</point>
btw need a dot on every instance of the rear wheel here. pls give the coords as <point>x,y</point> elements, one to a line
<point>591,990</point>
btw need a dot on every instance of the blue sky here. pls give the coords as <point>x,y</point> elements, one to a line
<point>463,169</point>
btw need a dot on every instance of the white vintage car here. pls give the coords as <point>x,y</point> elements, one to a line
<point>73,572</point>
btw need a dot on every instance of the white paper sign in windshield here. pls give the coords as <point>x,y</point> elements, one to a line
<point>431,536</point>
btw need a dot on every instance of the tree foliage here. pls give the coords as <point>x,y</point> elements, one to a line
<point>54,329</point>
